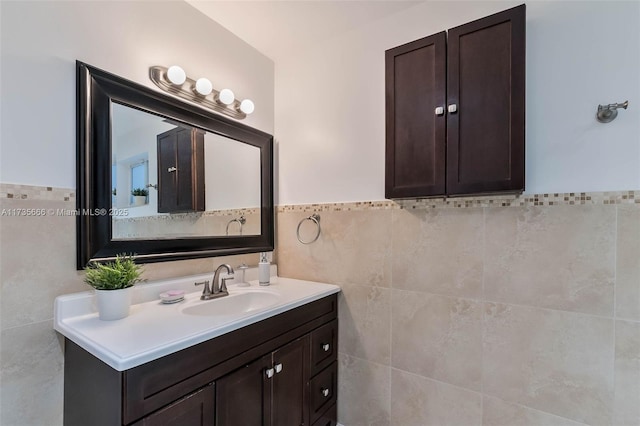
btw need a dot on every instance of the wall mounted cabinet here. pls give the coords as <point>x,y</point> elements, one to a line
<point>455,110</point>
<point>181,171</point>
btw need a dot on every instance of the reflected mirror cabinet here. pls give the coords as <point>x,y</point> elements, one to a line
<point>166,180</point>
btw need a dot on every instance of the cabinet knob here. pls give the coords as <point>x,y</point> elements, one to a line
<point>325,347</point>
<point>325,392</point>
<point>453,108</point>
<point>172,169</point>
<point>278,368</point>
<point>440,110</point>
<point>269,372</point>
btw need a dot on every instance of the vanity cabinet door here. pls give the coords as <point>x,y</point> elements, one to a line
<point>196,409</point>
<point>243,397</point>
<point>290,384</point>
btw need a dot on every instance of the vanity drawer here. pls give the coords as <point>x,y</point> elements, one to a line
<point>324,346</point>
<point>323,391</point>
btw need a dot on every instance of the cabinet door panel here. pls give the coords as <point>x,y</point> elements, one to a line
<point>242,397</point>
<point>196,409</point>
<point>486,81</point>
<point>290,398</point>
<point>415,135</point>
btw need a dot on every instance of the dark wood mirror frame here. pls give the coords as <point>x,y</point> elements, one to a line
<point>96,90</point>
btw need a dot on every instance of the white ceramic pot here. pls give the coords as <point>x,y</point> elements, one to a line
<point>113,304</point>
<point>139,200</point>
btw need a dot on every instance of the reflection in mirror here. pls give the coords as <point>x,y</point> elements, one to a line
<point>188,182</point>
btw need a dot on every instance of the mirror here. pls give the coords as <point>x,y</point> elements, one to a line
<point>166,180</point>
<point>143,161</point>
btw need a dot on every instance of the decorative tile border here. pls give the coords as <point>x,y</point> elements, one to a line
<point>556,199</point>
<point>29,192</point>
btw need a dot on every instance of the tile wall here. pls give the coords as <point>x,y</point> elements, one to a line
<point>493,310</point>
<point>38,263</point>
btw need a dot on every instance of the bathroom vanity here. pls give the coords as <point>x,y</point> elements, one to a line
<point>271,362</point>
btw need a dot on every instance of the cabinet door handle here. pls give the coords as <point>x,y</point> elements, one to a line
<point>269,372</point>
<point>278,368</point>
<point>325,347</point>
<point>172,169</point>
<point>439,110</point>
<point>453,108</point>
<point>325,392</point>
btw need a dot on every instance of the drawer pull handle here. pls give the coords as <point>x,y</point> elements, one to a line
<point>325,347</point>
<point>325,392</point>
<point>278,368</point>
<point>269,372</point>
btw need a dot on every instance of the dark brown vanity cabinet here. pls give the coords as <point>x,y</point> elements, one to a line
<point>281,371</point>
<point>181,170</point>
<point>455,110</point>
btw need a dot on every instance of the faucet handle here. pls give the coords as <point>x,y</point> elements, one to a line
<point>223,286</point>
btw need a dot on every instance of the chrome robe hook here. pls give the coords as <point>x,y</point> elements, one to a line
<point>608,113</point>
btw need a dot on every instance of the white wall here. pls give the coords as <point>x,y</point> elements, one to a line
<point>40,42</point>
<point>330,100</point>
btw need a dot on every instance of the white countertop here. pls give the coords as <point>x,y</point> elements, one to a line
<point>154,329</point>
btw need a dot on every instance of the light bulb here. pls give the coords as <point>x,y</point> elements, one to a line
<point>226,96</point>
<point>176,75</point>
<point>203,86</point>
<point>247,106</point>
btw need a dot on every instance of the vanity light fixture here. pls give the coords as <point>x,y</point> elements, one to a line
<point>175,81</point>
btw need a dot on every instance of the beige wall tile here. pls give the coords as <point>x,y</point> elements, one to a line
<point>628,262</point>
<point>559,257</point>
<point>418,401</point>
<point>437,337</point>
<point>496,412</point>
<point>365,322</point>
<point>32,376</point>
<point>363,392</point>
<point>353,247</point>
<point>557,362</point>
<point>38,255</point>
<point>627,374</point>
<point>439,251</point>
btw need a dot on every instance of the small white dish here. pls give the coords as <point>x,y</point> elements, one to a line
<point>172,296</point>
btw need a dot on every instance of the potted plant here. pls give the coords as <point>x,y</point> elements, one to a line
<point>113,282</point>
<point>139,196</point>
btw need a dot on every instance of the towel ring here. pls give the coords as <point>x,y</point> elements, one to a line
<point>315,218</point>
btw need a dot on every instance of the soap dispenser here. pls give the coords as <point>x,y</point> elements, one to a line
<point>264,269</point>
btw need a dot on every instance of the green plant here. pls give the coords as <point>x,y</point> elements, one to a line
<point>120,273</point>
<point>139,192</point>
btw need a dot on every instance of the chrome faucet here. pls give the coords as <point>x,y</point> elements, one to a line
<point>218,290</point>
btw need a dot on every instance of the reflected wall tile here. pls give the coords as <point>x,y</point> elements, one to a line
<point>628,262</point>
<point>38,261</point>
<point>180,268</point>
<point>365,322</point>
<point>353,247</point>
<point>558,362</point>
<point>419,401</point>
<point>32,375</point>
<point>559,257</point>
<point>437,337</point>
<point>439,251</point>
<point>496,412</point>
<point>627,374</point>
<point>363,392</point>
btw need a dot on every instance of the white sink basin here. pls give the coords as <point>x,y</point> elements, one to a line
<point>233,304</point>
